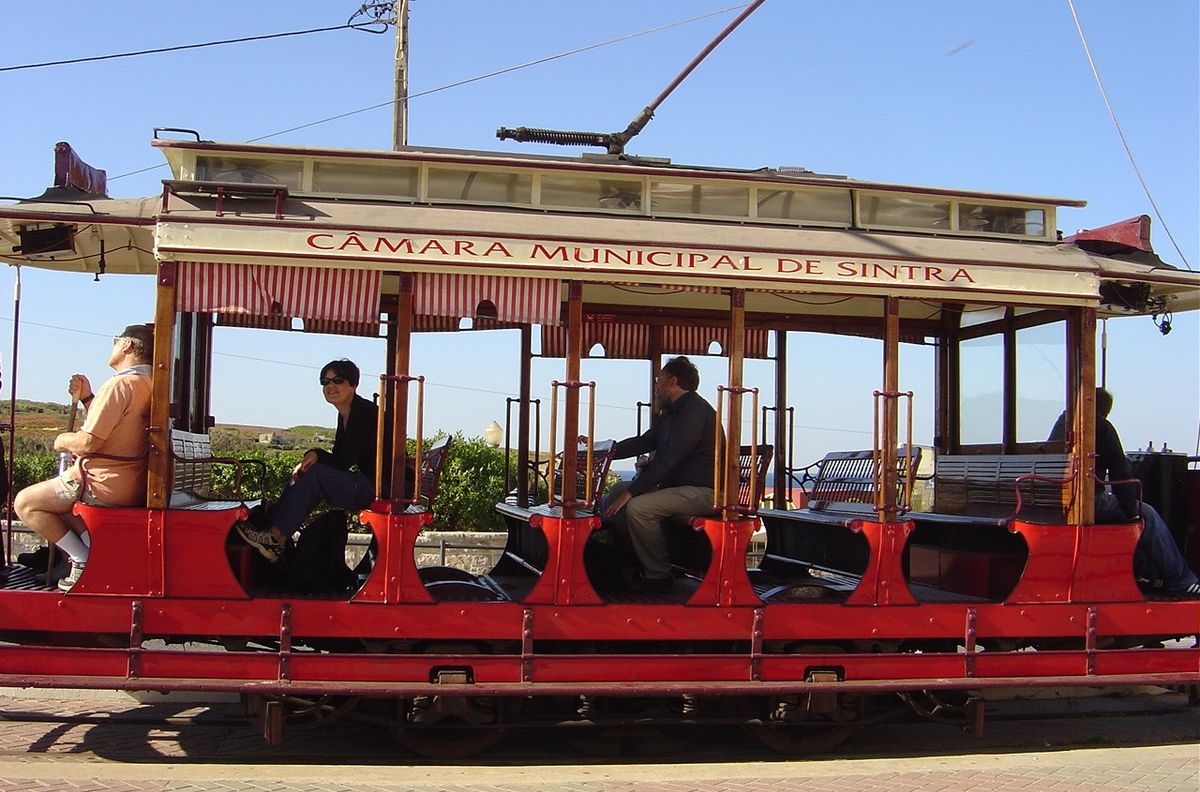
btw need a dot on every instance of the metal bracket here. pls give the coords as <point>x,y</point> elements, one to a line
<point>527,645</point>
<point>285,641</point>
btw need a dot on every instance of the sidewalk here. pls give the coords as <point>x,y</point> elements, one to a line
<point>1160,769</point>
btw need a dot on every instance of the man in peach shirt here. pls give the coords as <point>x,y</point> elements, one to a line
<point>118,416</point>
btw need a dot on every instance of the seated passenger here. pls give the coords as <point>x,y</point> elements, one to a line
<point>117,421</point>
<point>677,480</point>
<point>326,475</point>
<point>1157,562</point>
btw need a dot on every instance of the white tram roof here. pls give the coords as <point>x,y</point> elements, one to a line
<point>786,236</point>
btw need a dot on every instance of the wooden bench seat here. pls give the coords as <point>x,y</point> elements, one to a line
<point>191,482</point>
<point>995,489</point>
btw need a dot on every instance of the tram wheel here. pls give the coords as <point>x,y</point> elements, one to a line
<point>806,725</point>
<point>302,713</point>
<point>453,727</point>
<point>803,739</point>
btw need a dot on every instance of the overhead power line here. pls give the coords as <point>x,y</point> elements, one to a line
<point>477,78</point>
<point>369,27</point>
<point>1121,134</point>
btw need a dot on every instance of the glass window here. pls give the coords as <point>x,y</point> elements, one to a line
<point>814,206</point>
<point>1041,380</point>
<point>981,390</point>
<point>591,192</point>
<point>721,200</point>
<point>480,186</point>
<point>389,180</point>
<point>1002,219</point>
<point>248,170</point>
<point>903,211</point>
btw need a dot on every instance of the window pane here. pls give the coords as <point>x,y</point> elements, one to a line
<point>699,199</point>
<point>392,181</point>
<point>481,186</point>
<point>903,211</point>
<point>249,171</point>
<point>981,386</point>
<point>1041,381</point>
<point>1002,219</point>
<point>816,206</point>
<point>590,192</point>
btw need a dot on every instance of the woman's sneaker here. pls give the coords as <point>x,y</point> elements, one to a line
<point>261,539</point>
<point>73,576</point>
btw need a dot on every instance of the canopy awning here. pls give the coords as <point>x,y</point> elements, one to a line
<point>320,293</point>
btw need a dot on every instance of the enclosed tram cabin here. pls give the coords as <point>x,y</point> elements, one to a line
<point>860,591</point>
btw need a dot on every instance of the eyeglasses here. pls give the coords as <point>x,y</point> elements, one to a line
<point>118,338</point>
<point>331,380</point>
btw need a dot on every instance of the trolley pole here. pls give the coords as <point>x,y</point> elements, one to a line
<point>400,105</point>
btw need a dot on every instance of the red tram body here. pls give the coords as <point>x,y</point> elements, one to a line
<point>860,592</point>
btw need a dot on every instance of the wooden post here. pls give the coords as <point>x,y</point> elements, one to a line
<point>400,366</point>
<point>526,385</point>
<point>1081,331</point>
<point>158,466</point>
<point>947,411</point>
<point>736,351</point>
<point>570,464</point>
<point>782,461</point>
<point>1008,423</point>
<point>889,431</point>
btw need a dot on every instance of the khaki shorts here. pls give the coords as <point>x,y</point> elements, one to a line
<point>70,490</point>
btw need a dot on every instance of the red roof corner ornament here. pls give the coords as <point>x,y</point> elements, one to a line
<point>71,171</point>
<point>1133,233</point>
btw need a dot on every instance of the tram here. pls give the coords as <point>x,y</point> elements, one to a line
<point>892,572</point>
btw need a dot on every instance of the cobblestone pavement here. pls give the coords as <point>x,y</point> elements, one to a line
<point>112,742</point>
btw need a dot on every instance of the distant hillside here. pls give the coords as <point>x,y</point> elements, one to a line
<point>38,422</point>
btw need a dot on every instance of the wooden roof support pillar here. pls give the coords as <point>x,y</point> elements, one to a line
<point>782,458</point>
<point>1081,340</point>
<point>736,352</point>
<point>571,411</point>
<point>526,389</point>
<point>889,429</point>
<point>948,432</point>
<point>401,362</point>
<point>1008,422</point>
<point>158,466</point>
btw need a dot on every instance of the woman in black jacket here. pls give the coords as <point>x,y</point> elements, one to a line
<point>328,476</point>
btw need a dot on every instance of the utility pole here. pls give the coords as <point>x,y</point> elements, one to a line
<point>400,106</point>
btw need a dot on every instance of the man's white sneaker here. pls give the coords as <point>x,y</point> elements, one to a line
<point>73,576</point>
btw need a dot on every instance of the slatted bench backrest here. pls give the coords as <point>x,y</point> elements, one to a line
<point>192,454</point>
<point>970,482</point>
<point>853,477</point>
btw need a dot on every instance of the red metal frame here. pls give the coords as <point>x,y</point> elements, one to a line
<point>165,573</point>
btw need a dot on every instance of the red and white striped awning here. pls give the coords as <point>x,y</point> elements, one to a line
<point>631,340</point>
<point>523,300</point>
<point>322,293</point>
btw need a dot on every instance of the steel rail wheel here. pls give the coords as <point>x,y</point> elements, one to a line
<point>304,714</point>
<point>452,727</point>
<point>807,724</point>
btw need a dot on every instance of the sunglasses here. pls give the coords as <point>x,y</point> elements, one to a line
<point>331,380</point>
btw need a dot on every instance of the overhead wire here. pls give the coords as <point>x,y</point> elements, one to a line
<point>364,26</point>
<point>478,78</point>
<point>1121,134</point>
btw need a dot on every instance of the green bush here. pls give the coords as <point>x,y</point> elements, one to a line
<point>472,484</point>
<point>32,468</point>
<point>279,467</point>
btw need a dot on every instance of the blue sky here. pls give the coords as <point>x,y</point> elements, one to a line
<point>992,96</point>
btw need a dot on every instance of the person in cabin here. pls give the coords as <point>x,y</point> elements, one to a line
<point>1157,561</point>
<point>677,479</point>
<point>116,424</point>
<point>344,477</point>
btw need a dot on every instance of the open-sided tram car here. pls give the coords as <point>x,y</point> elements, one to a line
<point>1000,578</point>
